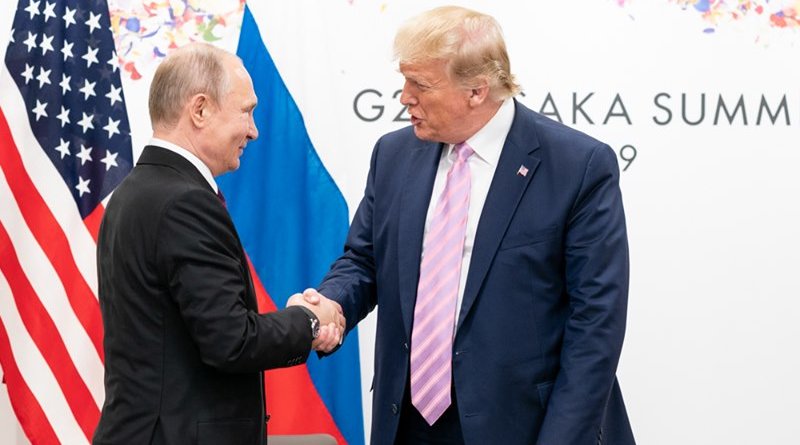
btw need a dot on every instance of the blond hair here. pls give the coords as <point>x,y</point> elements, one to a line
<point>193,69</point>
<point>471,42</point>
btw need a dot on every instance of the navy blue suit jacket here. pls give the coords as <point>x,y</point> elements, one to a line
<point>543,317</point>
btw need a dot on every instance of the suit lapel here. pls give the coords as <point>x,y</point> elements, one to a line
<point>413,208</point>
<point>505,192</point>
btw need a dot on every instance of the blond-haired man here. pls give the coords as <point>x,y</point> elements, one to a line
<point>493,242</point>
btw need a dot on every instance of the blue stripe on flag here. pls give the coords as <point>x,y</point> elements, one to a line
<point>292,219</point>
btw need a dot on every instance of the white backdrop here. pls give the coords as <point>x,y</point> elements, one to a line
<point>711,354</point>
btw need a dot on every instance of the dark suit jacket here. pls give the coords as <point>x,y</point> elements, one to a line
<point>543,316</point>
<point>184,344</point>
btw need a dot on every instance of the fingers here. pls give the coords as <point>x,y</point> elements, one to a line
<point>341,321</point>
<point>295,300</point>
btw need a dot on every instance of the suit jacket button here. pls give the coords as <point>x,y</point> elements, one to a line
<point>405,347</point>
<point>395,409</point>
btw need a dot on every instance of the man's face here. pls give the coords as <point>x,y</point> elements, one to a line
<point>438,106</point>
<point>231,124</point>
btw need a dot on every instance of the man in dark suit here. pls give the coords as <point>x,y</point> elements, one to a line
<point>493,242</point>
<point>184,343</point>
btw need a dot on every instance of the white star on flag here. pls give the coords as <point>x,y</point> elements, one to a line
<point>110,160</point>
<point>66,50</point>
<point>64,117</point>
<point>86,122</point>
<point>90,57</point>
<point>28,73</point>
<point>47,44</point>
<point>69,17</point>
<point>43,77</point>
<point>39,109</point>
<point>64,84</point>
<point>48,11</point>
<point>63,148</point>
<point>30,42</point>
<point>111,127</point>
<point>93,22</point>
<point>87,89</point>
<point>114,61</point>
<point>32,9</point>
<point>85,154</point>
<point>83,186</point>
<point>113,95</point>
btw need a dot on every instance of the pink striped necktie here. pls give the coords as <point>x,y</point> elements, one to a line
<point>437,293</point>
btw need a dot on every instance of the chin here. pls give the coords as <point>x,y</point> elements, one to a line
<point>422,134</point>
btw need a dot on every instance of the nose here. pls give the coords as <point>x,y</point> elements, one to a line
<point>407,97</point>
<point>252,130</point>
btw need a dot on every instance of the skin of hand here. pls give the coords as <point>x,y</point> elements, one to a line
<point>332,320</point>
<point>329,338</point>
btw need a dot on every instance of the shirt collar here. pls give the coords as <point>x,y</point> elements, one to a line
<point>488,141</point>
<point>189,156</point>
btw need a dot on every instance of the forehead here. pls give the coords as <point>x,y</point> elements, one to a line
<point>426,69</point>
<point>241,83</point>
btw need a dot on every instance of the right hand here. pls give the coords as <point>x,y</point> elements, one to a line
<point>328,311</point>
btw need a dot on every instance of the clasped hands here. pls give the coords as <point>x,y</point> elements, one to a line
<point>330,315</point>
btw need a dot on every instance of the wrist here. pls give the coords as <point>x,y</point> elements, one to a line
<point>313,322</point>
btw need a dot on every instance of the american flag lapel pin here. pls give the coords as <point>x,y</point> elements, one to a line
<point>523,171</point>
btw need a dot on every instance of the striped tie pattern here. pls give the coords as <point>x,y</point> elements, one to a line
<point>437,293</point>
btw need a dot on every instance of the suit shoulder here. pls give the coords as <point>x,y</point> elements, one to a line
<point>403,137</point>
<point>556,142</point>
<point>149,189</point>
<point>553,132</point>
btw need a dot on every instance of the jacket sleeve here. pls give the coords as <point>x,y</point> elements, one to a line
<point>596,254</point>
<point>201,261</point>
<point>351,279</point>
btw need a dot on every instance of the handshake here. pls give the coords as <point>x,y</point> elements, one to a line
<point>331,319</point>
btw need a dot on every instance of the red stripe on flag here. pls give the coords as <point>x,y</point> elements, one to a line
<point>49,235</point>
<point>294,403</point>
<point>47,338</point>
<point>93,221</point>
<point>29,413</point>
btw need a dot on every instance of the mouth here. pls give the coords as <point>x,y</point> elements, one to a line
<point>415,120</point>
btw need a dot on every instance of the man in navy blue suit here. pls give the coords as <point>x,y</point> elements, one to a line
<point>493,242</point>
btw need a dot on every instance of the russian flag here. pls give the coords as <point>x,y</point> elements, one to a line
<point>292,220</point>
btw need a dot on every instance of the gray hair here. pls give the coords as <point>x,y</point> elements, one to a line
<point>193,69</point>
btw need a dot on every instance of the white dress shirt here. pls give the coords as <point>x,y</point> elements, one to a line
<point>487,143</point>
<point>198,164</point>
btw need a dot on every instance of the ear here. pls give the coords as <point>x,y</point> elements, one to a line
<point>479,94</point>
<point>199,110</point>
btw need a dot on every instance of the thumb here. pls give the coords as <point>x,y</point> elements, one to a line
<point>311,296</point>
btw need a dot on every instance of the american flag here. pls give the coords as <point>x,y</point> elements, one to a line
<point>64,146</point>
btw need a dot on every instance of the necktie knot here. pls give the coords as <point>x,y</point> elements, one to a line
<point>463,151</point>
